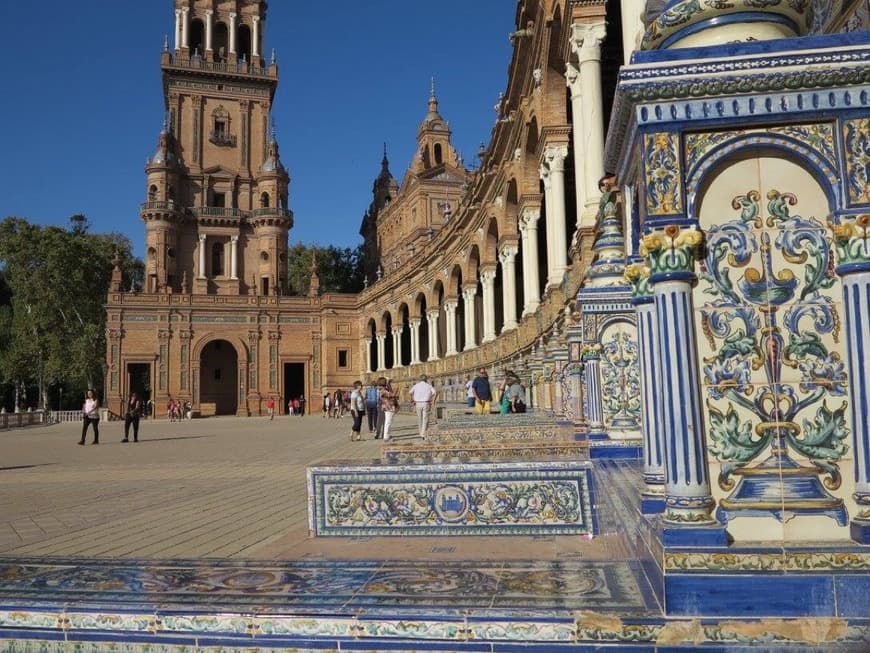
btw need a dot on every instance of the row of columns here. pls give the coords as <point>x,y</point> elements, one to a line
<point>234,257</point>
<point>182,29</point>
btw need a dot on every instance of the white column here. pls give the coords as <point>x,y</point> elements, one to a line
<point>531,281</point>
<point>487,280</point>
<point>177,29</point>
<point>209,14</point>
<point>382,351</point>
<point>507,257</point>
<point>255,37</point>
<point>233,32</point>
<point>547,179</point>
<point>185,14</point>
<point>234,257</point>
<point>414,322</point>
<point>202,256</point>
<point>586,43</point>
<point>397,347</point>
<point>450,316</point>
<point>572,77</point>
<point>468,294</point>
<point>368,365</point>
<point>632,26</point>
<point>432,316</point>
<point>555,157</point>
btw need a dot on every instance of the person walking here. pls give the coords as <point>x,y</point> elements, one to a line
<point>91,417</point>
<point>482,392</point>
<point>469,393</point>
<point>327,400</point>
<point>423,395</point>
<point>357,410</point>
<point>270,406</point>
<point>373,398</point>
<point>389,406</point>
<point>131,417</point>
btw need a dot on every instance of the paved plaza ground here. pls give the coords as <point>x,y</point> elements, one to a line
<point>218,488</point>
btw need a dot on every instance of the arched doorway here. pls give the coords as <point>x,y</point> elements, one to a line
<point>219,378</point>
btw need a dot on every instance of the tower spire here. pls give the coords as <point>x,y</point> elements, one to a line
<point>433,100</point>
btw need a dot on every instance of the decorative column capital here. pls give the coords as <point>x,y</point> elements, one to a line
<point>209,12</point>
<point>178,12</point>
<point>185,10</point>
<point>671,252</point>
<point>234,240</point>
<point>202,238</point>
<point>529,217</point>
<point>255,19</point>
<point>508,253</point>
<point>638,276</point>
<point>233,15</point>
<point>450,305</point>
<point>414,322</point>
<point>852,243</point>
<point>555,155</point>
<point>586,40</point>
<point>590,352</point>
<point>468,292</point>
<point>432,313</point>
<point>544,172</point>
<point>397,331</point>
<point>367,340</point>
<point>487,276</point>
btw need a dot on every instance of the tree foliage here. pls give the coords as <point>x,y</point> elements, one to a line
<point>340,270</point>
<point>54,322</point>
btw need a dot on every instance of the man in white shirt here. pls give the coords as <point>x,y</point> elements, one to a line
<point>423,395</point>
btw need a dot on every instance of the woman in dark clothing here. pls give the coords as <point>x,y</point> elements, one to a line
<point>134,412</point>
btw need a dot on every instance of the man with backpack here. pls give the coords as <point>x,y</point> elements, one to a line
<point>373,398</point>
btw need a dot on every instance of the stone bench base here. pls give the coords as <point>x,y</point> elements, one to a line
<point>496,434</point>
<point>419,454</point>
<point>495,498</point>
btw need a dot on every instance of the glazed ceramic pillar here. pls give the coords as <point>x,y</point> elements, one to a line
<point>415,340</point>
<point>185,14</point>
<point>688,499</point>
<point>632,26</point>
<point>432,317</point>
<point>557,252</point>
<point>507,257</point>
<point>652,498</point>
<point>234,257</point>
<point>382,350</point>
<point>209,13</point>
<point>594,402</point>
<point>586,44</point>
<point>397,347</point>
<point>202,256</point>
<point>531,281</point>
<point>852,241</point>
<point>487,281</point>
<point>450,326</point>
<point>572,77</point>
<point>468,295</point>
<point>232,44</point>
<point>368,350</point>
<point>177,29</point>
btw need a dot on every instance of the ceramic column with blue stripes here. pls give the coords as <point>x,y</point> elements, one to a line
<point>591,356</point>
<point>688,518</point>
<point>652,425</point>
<point>852,242</point>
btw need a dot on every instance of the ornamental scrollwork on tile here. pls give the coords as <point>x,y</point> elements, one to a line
<point>620,381</point>
<point>663,174</point>
<point>771,319</point>
<point>856,138</point>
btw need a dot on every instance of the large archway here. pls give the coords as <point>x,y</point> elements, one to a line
<point>219,378</point>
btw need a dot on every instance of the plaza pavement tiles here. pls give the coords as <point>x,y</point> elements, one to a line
<point>209,517</point>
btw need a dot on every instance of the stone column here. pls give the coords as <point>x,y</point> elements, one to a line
<point>432,317</point>
<point>487,280</point>
<point>415,340</point>
<point>368,350</point>
<point>591,356</point>
<point>548,225</point>
<point>255,37</point>
<point>688,499</point>
<point>507,257</point>
<point>397,347</point>
<point>468,295</point>
<point>450,316</point>
<point>382,350</point>
<point>632,26</point>
<point>232,43</point>
<point>557,253</point>
<point>202,256</point>
<point>572,77</point>
<point>586,44</point>
<point>177,29</point>
<point>852,242</point>
<point>185,15</point>
<point>234,257</point>
<point>209,14</point>
<point>531,282</point>
<point>652,498</point>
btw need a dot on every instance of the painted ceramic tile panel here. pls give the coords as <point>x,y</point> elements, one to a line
<point>620,381</point>
<point>856,138</point>
<point>775,384</point>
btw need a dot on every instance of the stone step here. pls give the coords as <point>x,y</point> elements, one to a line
<point>434,453</point>
<point>500,433</point>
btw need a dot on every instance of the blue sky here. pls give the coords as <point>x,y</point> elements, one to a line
<point>83,101</point>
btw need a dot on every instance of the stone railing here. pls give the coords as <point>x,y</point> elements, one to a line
<point>19,420</point>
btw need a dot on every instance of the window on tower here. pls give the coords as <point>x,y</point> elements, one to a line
<point>264,200</point>
<point>217,260</point>
<point>219,200</point>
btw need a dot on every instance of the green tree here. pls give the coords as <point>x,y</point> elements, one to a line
<point>58,280</point>
<point>340,270</point>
